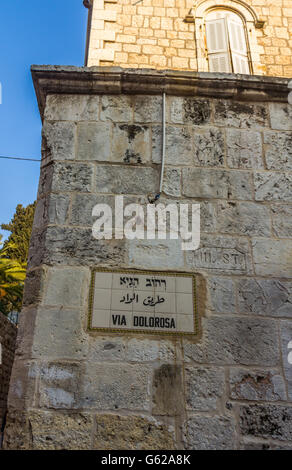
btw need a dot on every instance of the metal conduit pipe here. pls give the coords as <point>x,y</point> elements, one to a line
<point>157,196</point>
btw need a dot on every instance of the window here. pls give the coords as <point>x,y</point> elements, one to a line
<point>226,42</point>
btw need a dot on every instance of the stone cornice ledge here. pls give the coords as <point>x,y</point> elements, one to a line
<point>51,79</point>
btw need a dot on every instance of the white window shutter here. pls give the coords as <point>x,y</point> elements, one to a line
<point>238,47</point>
<point>217,44</point>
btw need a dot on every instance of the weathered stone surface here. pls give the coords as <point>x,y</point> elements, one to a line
<point>248,444</point>
<point>46,179</point>
<point>115,387</point>
<point>178,147</point>
<point>66,286</point>
<point>209,183</point>
<point>271,186</point>
<point>286,345</point>
<point>72,108</point>
<point>204,388</point>
<point>281,116</point>
<point>17,435</point>
<point>72,177</point>
<point>190,110</point>
<point>278,150</point>
<point>257,385</point>
<point>243,218</point>
<point>131,143</point>
<point>127,180</point>
<point>244,149</point>
<point>59,385</point>
<point>116,108</point>
<point>209,433</point>
<point>59,334</point>
<point>272,257</point>
<point>221,254</point>
<point>266,421</point>
<point>94,141</point>
<point>145,350</point>
<point>75,246</point>
<point>242,115</point>
<point>221,294</point>
<point>58,210</point>
<point>155,253</point>
<point>33,288</point>
<point>148,109</point>
<point>282,220</point>
<point>168,377</point>
<point>58,141</point>
<point>107,349</point>
<point>265,297</point>
<point>209,147</point>
<point>246,341</point>
<point>172,182</point>
<point>131,433</point>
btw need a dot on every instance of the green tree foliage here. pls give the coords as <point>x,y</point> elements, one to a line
<point>12,275</point>
<point>20,227</point>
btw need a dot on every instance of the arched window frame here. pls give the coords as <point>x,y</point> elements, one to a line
<point>253,26</point>
<point>226,9</point>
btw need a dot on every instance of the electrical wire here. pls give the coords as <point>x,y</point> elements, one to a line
<point>23,159</point>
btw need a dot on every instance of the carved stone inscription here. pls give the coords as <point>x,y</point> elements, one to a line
<point>147,301</point>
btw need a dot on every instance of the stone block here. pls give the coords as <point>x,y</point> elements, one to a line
<point>148,109</point>
<point>168,390</point>
<point>211,183</point>
<point>241,115</point>
<point>72,108</point>
<point>116,108</point>
<point>59,385</point>
<point>204,388</point>
<point>82,206</point>
<point>209,433</point>
<point>209,147</point>
<point>282,220</point>
<point>172,181</point>
<point>244,149</point>
<point>131,143</point>
<point>67,287</point>
<point>244,341</point>
<point>221,292</point>
<point>243,218</point>
<point>107,349</point>
<point>178,149</point>
<point>131,433</point>
<point>76,246</point>
<point>273,186</point>
<point>278,150</point>
<point>72,177</point>
<point>94,141</point>
<point>281,116</point>
<point>221,255</point>
<point>266,421</point>
<point>115,387</point>
<point>127,180</point>
<point>257,385</point>
<point>146,350</point>
<point>58,209</point>
<point>157,254</point>
<point>33,287</point>
<point>272,257</point>
<point>268,297</point>
<point>60,431</point>
<point>58,141</point>
<point>59,334</point>
<point>193,111</point>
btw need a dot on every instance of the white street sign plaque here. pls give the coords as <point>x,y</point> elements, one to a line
<point>143,301</point>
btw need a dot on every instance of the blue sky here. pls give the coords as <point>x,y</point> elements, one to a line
<point>31,32</point>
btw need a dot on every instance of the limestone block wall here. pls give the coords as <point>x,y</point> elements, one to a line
<point>8,333</point>
<point>170,34</point>
<point>230,388</point>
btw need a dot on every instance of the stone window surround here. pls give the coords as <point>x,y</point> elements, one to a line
<point>252,25</point>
